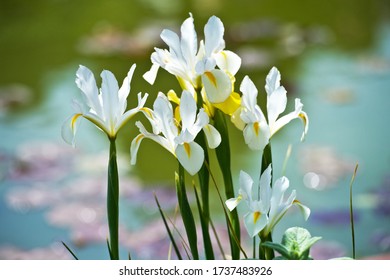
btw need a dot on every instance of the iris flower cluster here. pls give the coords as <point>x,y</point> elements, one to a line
<point>206,72</point>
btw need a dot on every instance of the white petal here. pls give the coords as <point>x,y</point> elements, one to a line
<point>150,76</point>
<point>297,113</point>
<point>173,41</point>
<point>276,104</point>
<point>69,128</point>
<point>190,156</point>
<point>134,148</point>
<point>256,135</point>
<point>272,81</point>
<point>249,94</point>
<point>233,202</point>
<point>265,187</point>
<point>255,222</point>
<point>217,85</point>
<point>212,135</point>
<point>85,80</point>
<point>109,91</point>
<point>213,33</point>
<point>187,110</point>
<point>189,41</point>
<point>276,95</point>
<point>228,61</point>
<point>124,91</point>
<point>304,209</point>
<point>246,184</point>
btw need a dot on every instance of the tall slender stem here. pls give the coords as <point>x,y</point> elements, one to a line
<point>113,202</point>
<point>204,182</point>
<point>224,160</point>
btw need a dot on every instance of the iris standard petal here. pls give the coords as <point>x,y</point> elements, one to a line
<point>246,184</point>
<point>228,61</point>
<point>109,92</point>
<point>85,81</point>
<point>124,91</point>
<point>249,94</point>
<point>213,33</point>
<point>189,42</point>
<point>187,110</point>
<point>265,187</point>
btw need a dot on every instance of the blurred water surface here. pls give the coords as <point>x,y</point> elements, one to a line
<point>334,55</point>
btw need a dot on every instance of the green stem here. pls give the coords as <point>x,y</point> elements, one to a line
<point>113,202</point>
<point>266,253</point>
<point>186,212</point>
<point>204,182</point>
<point>224,160</point>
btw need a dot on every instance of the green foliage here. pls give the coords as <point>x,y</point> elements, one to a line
<point>295,245</point>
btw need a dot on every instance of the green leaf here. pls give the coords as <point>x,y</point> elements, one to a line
<point>168,230</point>
<point>70,251</point>
<point>204,221</point>
<point>281,249</point>
<point>186,212</point>
<point>298,242</point>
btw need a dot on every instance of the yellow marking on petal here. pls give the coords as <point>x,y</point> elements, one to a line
<point>147,111</point>
<point>256,126</point>
<point>187,148</point>
<point>256,216</point>
<point>303,117</point>
<point>139,138</point>
<point>74,119</point>
<point>212,78</point>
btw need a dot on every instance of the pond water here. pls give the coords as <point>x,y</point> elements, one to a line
<point>336,58</point>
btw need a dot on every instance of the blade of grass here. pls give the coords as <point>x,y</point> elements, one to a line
<point>218,241</point>
<point>70,251</point>
<point>230,227</point>
<point>167,228</point>
<point>351,212</point>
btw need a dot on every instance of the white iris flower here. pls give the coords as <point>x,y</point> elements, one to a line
<point>104,107</point>
<point>249,117</point>
<point>196,67</point>
<point>178,138</point>
<point>265,211</point>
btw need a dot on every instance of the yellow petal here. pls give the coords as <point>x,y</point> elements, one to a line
<point>230,105</point>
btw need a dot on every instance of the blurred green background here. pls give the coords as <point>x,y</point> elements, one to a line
<point>334,55</point>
